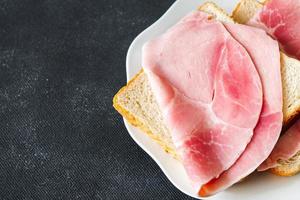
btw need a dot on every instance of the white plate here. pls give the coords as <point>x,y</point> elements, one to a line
<point>259,186</point>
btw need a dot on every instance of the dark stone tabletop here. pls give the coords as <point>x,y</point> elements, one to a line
<point>61,62</point>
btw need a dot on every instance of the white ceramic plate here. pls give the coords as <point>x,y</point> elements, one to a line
<point>259,186</point>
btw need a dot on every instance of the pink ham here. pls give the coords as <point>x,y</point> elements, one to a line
<point>260,46</point>
<point>287,147</point>
<point>280,18</point>
<point>209,92</point>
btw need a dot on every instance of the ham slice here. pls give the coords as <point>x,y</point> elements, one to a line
<point>260,46</point>
<point>280,18</point>
<point>209,92</point>
<point>287,147</point>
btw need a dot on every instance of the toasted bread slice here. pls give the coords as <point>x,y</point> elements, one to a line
<point>288,167</point>
<point>290,70</point>
<point>136,103</point>
<point>245,10</point>
<point>290,73</point>
<point>215,11</point>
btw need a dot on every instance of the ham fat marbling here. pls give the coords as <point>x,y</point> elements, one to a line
<point>269,126</point>
<point>210,85</point>
<point>280,18</point>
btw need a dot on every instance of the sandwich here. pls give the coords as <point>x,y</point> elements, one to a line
<point>199,126</point>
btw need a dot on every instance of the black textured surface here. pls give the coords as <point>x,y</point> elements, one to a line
<point>61,63</point>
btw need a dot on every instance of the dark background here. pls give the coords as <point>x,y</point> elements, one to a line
<point>61,62</point>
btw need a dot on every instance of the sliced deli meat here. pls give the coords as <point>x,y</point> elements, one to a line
<point>287,147</point>
<point>209,92</point>
<point>280,18</point>
<point>260,46</point>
